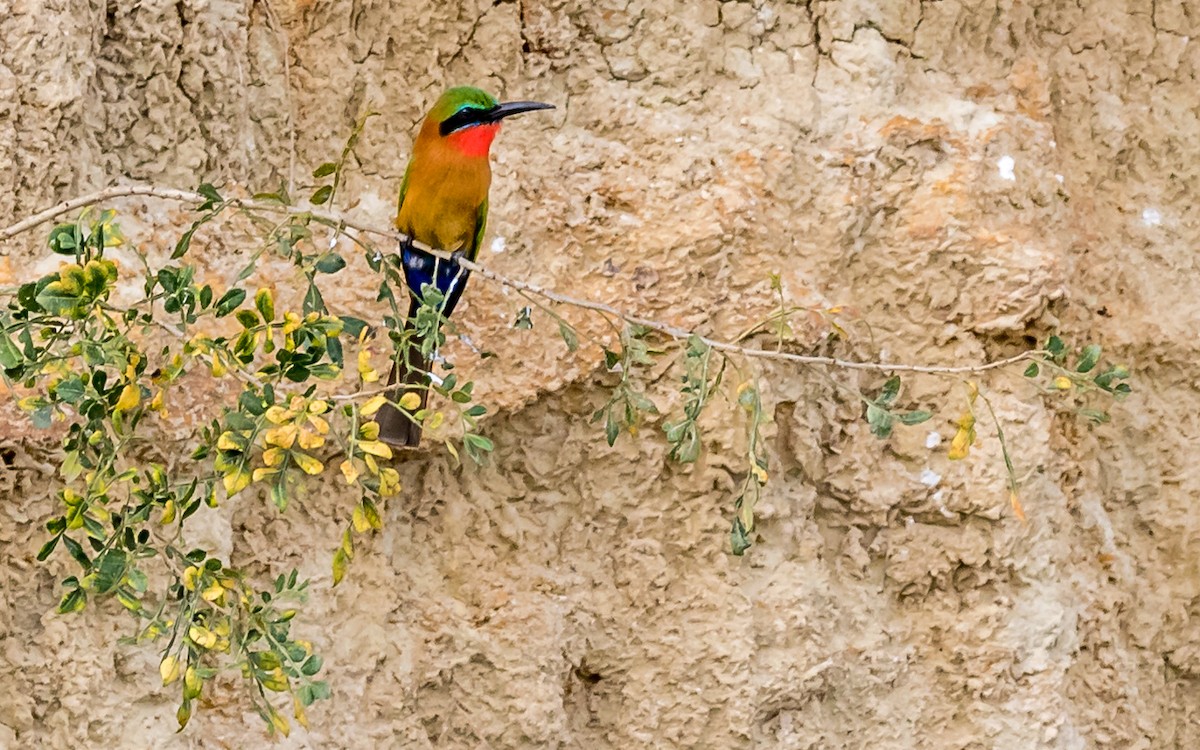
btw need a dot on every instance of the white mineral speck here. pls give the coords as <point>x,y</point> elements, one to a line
<point>498,245</point>
<point>1151,217</point>
<point>1006,164</point>
<point>929,477</point>
<point>933,439</point>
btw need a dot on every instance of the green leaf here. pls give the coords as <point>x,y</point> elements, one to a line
<point>313,301</point>
<point>56,299</point>
<point>312,666</point>
<point>110,569</point>
<point>10,355</point>
<point>1095,415</point>
<point>890,390</point>
<point>279,493</point>
<point>1033,370</point>
<point>248,318</point>
<point>70,390</point>
<point>611,428</point>
<point>77,552</point>
<point>351,325</point>
<point>478,441</point>
<point>739,540</point>
<point>47,548</point>
<point>324,170</point>
<point>916,417</point>
<point>229,302</point>
<point>1055,348</point>
<point>880,420</point>
<point>322,195</point>
<point>185,241</point>
<point>1088,358</point>
<point>330,263</point>
<point>320,690</point>
<point>568,335</point>
<point>72,601</point>
<point>65,239</point>
<point>523,321</point>
<point>211,195</point>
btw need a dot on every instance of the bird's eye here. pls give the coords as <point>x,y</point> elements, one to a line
<point>467,115</point>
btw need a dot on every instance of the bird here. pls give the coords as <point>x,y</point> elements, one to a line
<point>443,204</point>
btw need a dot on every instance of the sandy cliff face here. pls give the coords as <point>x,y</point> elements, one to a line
<point>965,175</point>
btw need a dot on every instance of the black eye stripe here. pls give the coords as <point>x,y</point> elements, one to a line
<point>464,117</point>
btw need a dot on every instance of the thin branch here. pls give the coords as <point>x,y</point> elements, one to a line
<point>340,221</point>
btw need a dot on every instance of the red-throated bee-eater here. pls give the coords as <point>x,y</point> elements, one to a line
<point>443,204</point>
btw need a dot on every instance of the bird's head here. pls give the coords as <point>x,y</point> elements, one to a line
<point>468,119</point>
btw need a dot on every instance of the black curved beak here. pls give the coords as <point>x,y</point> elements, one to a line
<point>508,109</point>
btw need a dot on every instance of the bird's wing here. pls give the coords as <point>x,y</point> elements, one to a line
<point>403,189</point>
<point>480,225</point>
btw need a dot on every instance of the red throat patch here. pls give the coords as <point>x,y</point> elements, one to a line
<point>475,140</point>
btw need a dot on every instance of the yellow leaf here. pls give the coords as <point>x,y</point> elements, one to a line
<point>318,407</point>
<point>759,473</point>
<point>131,396</point>
<point>310,440</point>
<point>359,519</point>
<point>278,721</point>
<point>298,711</point>
<point>236,481</point>
<point>291,321</point>
<point>410,401</point>
<point>214,592</point>
<point>349,471</point>
<point>202,636</point>
<point>369,431</point>
<point>960,446</point>
<point>375,448</point>
<point>389,481</point>
<point>191,683</point>
<point>339,566</point>
<point>278,415</point>
<point>168,669</point>
<point>1062,383</point>
<point>262,473</point>
<point>370,462</point>
<point>436,420</point>
<point>309,464</point>
<point>372,405</point>
<point>156,403</point>
<point>218,367</point>
<point>226,442</point>
<point>189,577</point>
<point>168,514</point>
<point>284,435</point>
<point>297,405</point>
<point>273,456</point>
<point>319,424</point>
<point>365,371</point>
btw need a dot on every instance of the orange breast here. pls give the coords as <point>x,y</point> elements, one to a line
<point>441,203</point>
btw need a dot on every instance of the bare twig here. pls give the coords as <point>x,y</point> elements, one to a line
<point>340,221</point>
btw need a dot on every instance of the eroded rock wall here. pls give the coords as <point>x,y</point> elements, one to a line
<point>961,175</point>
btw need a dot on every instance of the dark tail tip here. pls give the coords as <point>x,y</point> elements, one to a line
<point>396,427</point>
